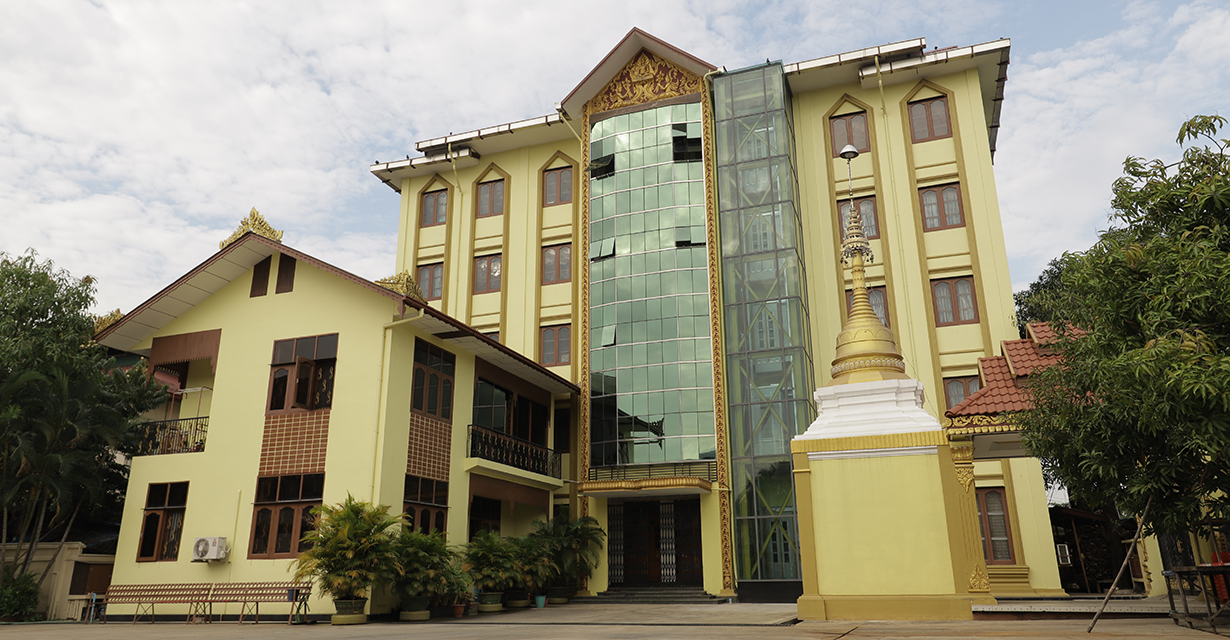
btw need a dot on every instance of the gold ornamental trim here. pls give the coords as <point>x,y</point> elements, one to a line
<point>963,455</point>
<point>965,475</point>
<point>977,425</point>
<point>106,320</point>
<point>646,78</point>
<point>868,363</point>
<point>978,580</point>
<point>404,284</point>
<point>645,484</point>
<point>255,223</point>
<point>855,443</point>
<point>583,343</point>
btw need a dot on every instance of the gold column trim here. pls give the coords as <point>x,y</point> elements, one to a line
<point>255,223</point>
<point>645,78</point>
<point>404,284</point>
<point>713,245</point>
<point>581,248</point>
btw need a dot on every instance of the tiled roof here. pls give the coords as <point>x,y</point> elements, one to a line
<point>1041,332</point>
<point>999,392</point>
<point>1025,357</point>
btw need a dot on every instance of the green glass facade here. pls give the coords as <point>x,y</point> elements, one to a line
<point>768,353</point>
<point>650,352</point>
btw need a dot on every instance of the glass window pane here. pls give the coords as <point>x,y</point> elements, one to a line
<point>441,206</point>
<point>494,282</point>
<point>260,536</point>
<point>288,488</point>
<point>549,187</point>
<point>480,275</point>
<point>266,489</point>
<point>918,121</point>
<point>939,117</point>
<point>497,197</point>
<point>952,206</point>
<point>839,134</point>
<point>965,300</point>
<point>931,209</point>
<point>484,200</point>
<point>277,397</point>
<point>956,392</point>
<point>565,185</point>
<point>548,346</point>
<point>867,209</point>
<point>943,303</point>
<point>149,535</point>
<point>565,263</point>
<point>286,529</point>
<point>858,128</point>
<point>564,341</point>
<point>433,394</point>
<point>307,524</point>
<point>548,266</point>
<point>416,395</point>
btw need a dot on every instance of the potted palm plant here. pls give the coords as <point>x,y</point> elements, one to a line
<point>577,544</point>
<point>423,563</point>
<point>458,589</point>
<point>491,562</point>
<point>351,549</point>
<point>536,561</point>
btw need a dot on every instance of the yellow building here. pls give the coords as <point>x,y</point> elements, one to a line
<point>304,383</point>
<point>673,232</point>
<point>636,296</point>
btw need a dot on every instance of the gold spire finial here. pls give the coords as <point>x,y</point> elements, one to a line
<point>404,284</point>
<point>255,223</point>
<point>866,349</point>
<point>107,319</point>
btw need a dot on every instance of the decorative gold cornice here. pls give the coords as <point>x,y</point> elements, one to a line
<point>962,455</point>
<point>644,484</point>
<point>255,223</point>
<point>404,284</point>
<point>977,425</point>
<point>856,443</point>
<point>646,78</point>
<point>106,320</point>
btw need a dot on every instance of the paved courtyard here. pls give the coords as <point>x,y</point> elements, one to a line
<point>620,622</point>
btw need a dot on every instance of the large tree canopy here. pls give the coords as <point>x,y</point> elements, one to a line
<point>65,409</point>
<point>1139,409</point>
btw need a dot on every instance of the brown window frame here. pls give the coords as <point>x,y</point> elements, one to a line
<point>954,303</point>
<point>309,365</point>
<point>487,273</point>
<point>558,195</point>
<point>870,291</point>
<point>965,382</point>
<point>858,202</point>
<point>490,199</point>
<point>561,268</point>
<point>428,498</point>
<point>848,121</point>
<point>300,507</point>
<point>941,206</point>
<point>431,361</point>
<point>552,359</point>
<point>929,114</point>
<point>430,202</point>
<point>163,534</point>
<point>260,278</point>
<point>430,293</point>
<point>984,525</point>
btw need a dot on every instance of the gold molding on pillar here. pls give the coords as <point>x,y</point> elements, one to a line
<point>255,223</point>
<point>718,347</point>
<point>978,580</point>
<point>581,248</point>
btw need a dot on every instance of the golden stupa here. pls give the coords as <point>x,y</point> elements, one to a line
<point>866,349</point>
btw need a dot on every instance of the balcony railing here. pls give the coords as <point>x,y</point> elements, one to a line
<point>185,435</point>
<point>514,452</point>
<point>706,470</point>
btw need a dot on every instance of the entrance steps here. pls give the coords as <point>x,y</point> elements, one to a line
<point>652,595</point>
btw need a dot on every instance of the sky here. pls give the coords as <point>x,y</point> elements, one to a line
<point>135,135</point>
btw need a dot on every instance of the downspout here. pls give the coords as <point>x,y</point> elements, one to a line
<point>892,181</point>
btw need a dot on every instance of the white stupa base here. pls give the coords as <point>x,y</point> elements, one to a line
<point>872,408</point>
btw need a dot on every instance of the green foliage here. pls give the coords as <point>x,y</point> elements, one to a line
<point>18,596</point>
<point>353,547</point>
<point>1140,407</point>
<point>458,586</point>
<point>1033,304</point>
<point>536,562</point>
<point>423,564</point>
<point>576,544</point>
<point>491,561</point>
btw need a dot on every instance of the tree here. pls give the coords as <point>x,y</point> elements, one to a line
<point>1031,303</point>
<point>65,409</point>
<point>1138,410</point>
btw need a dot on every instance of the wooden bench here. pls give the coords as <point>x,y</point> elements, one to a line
<point>250,595</point>
<point>145,596</point>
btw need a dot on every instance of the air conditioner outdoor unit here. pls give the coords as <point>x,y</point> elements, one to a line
<point>209,549</point>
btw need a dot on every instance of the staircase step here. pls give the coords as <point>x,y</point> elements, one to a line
<point>652,595</point>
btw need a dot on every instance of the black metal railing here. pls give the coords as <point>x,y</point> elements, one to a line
<point>186,435</point>
<point>514,452</point>
<point>706,470</point>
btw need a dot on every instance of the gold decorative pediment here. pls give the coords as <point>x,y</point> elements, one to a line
<point>106,320</point>
<point>404,284</point>
<point>646,78</point>
<point>255,223</point>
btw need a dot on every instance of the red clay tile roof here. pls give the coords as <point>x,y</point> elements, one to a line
<point>1041,332</point>
<point>999,392</point>
<point>1025,357</point>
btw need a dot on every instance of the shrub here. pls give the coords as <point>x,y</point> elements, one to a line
<point>19,596</point>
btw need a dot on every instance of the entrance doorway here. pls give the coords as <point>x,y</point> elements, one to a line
<point>655,543</point>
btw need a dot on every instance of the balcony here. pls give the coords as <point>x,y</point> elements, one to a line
<point>186,435</point>
<point>514,452</point>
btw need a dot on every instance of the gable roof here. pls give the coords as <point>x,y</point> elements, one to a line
<point>619,56</point>
<point>240,256</point>
<point>1002,376</point>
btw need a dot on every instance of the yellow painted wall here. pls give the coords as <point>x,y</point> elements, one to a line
<point>1034,524</point>
<point>711,542</point>
<point>879,517</point>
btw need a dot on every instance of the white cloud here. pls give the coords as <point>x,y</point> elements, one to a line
<point>1072,115</point>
